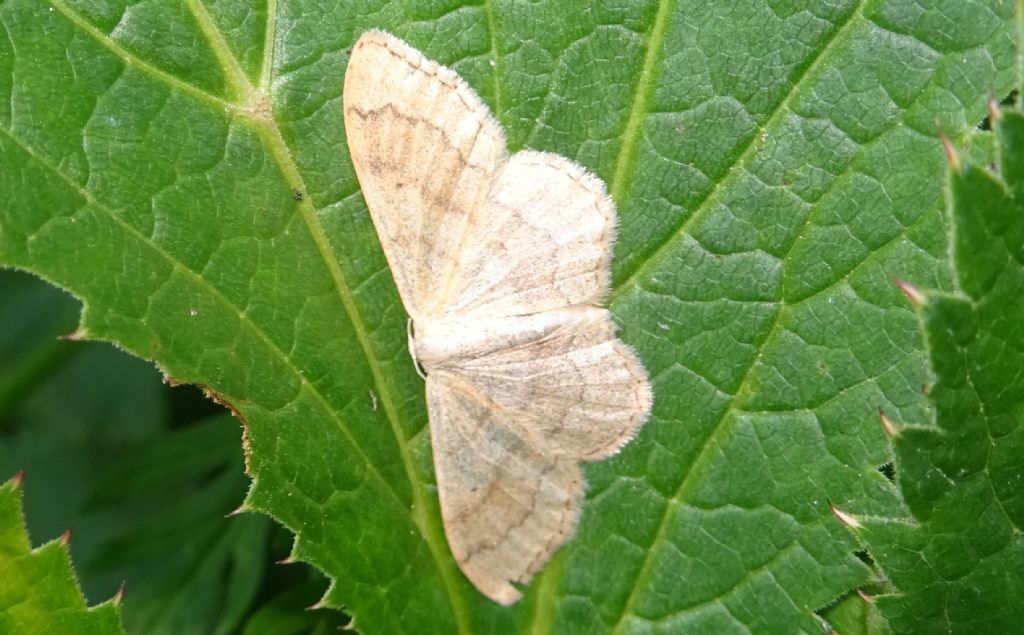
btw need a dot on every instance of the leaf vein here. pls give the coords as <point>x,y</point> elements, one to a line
<point>225,57</point>
<point>492,27</point>
<point>131,60</point>
<point>430,537</point>
<point>646,84</point>
<point>743,158</point>
<point>726,418</point>
<point>211,289</point>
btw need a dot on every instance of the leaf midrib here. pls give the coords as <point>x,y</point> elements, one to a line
<point>266,125</point>
<point>270,133</point>
<point>202,283</point>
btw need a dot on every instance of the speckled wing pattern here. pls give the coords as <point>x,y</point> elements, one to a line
<point>502,263</point>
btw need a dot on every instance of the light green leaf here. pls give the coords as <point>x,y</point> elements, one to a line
<point>39,593</point>
<point>957,562</point>
<point>775,163</point>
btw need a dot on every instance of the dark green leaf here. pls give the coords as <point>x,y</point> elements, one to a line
<point>957,563</point>
<point>290,613</point>
<point>775,164</point>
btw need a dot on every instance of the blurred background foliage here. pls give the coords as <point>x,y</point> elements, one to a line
<point>144,475</point>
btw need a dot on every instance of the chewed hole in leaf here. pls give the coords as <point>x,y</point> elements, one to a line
<point>888,470</point>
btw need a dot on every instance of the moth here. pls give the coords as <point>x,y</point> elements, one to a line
<point>502,262</point>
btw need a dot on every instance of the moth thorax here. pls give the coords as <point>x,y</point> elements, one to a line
<point>437,343</point>
<point>432,343</point>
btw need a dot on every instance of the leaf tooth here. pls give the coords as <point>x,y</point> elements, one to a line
<point>241,509</point>
<point>865,596</point>
<point>118,595</point>
<point>995,113</point>
<point>78,335</point>
<point>330,600</point>
<point>18,479</point>
<point>888,426</point>
<point>913,292</point>
<point>952,156</point>
<point>258,500</point>
<point>847,519</point>
<point>324,602</point>
<point>65,538</point>
<point>289,559</point>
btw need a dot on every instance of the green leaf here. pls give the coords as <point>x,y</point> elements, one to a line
<point>32,317</point>
<point>146,504</point>
<point>187,568</point>
<point>775,163</point>
<point>288,613</point>
<point>855,615</point>
<point>39,593</point>
<point>957,561</point>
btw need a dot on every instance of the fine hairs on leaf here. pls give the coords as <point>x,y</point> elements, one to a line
<point>183,168</point>
<point>956,562</point>
<point>26,572</point>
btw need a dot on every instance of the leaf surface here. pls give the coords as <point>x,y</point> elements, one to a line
<point>957,560</point>
<point>40,593</point>
<point>181,167</point>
